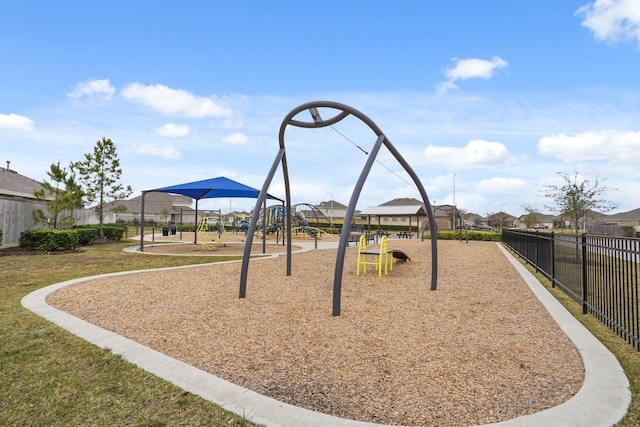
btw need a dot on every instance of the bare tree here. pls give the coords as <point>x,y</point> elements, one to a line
<point>530,218</point>
<point>577,199</point>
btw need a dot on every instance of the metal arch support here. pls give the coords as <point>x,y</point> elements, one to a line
<point>318,122</point>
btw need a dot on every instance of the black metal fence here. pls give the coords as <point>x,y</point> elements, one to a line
<point>599,272</point>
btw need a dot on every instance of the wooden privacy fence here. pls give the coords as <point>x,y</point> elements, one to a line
<point>16,215</point>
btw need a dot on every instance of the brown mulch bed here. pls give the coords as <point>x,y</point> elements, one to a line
<point>479,349</point>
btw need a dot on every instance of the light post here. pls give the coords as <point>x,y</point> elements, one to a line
<point>454,203</point>
<point>331,194</point>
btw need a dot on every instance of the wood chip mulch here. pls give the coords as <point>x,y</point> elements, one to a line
<point>479,349</point>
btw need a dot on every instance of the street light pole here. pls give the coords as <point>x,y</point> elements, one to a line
<point>454,202</point>
<point>331,194</point>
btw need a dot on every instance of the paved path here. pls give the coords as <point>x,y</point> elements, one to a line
<point>602,401</point>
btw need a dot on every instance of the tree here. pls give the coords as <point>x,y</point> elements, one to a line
<point>577,199</point>
<point>62,195</point>
<point>99,174</point>
<point>530,218</point>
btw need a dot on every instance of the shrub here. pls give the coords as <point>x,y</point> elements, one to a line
<point>111,231</point>
<point>86,235</point>
<point>472,235</point>
<point>48,240</point>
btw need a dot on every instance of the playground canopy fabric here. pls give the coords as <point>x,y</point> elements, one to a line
<point>205,189</point>
<point>212,188</point>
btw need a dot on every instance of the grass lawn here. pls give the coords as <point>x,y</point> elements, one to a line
<point>628,357</point>
<point>50,377</point>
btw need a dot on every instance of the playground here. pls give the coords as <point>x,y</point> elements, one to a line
<point>480,349</point>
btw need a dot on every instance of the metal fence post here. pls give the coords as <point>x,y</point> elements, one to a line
<point>553,259</point>
<point>584,273</point>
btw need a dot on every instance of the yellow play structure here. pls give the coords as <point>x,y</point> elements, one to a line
<point>205,226</point>
<point>383,256</point>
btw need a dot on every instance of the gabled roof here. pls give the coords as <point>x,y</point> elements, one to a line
<point>405,201</point>
<point>328,205</point>
<point>212,188</point>
<point>13,184</point>
<point>394,210</point>
<point>154,203</point>
<point>630,215</point>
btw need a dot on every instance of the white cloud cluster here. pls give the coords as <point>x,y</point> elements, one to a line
<point>502,186</point>
<point>174,101</point>
<point>171,130</point>
<point>468,69</point>
<point>164,151</point>
<point>100,89</point>
<point>15,122</point>
<point>612,20</point>
<point>236,138</point>
<point>592,146</point>
<point>477,153</point>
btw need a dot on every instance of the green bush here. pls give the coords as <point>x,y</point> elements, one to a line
<point>472,235</point>
<point>86,235</point>
<point>48,239</point>
<point>111,231</point>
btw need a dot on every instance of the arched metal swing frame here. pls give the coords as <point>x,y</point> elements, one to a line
<point>318,122</point>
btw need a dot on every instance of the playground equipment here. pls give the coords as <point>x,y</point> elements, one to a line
<point>382,256</point>
<point>206,225</point>
<point>343,111</point>
<point>307,221</point>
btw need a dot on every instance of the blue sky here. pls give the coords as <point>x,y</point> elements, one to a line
<point>487,101</point>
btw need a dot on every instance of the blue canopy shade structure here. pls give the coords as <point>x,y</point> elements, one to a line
<point>205,189</point>
<point>212,188</point>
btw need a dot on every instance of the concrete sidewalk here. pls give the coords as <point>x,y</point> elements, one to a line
<point>602,401</point>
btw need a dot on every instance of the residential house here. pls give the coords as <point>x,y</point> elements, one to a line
<point>332,209</point>
<point>17,204</point>
<point>161,208</point>
<point>502,220</point>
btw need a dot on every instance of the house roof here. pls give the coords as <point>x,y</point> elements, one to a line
<point>13,184</point>
<point>327,205</point>
<point>394,210</point>
<point>154,203</point>
<point>405,201</point>
<point>212,188</point>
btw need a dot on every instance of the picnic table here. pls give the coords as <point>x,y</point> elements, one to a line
<point>404,235</point>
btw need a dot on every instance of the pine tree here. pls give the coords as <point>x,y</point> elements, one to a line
<point>99,174</point>
<point>61,195</point>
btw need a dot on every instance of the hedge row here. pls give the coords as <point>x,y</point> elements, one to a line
<point>472,235</point>
<point>48,239</point>
<point>111,231</point>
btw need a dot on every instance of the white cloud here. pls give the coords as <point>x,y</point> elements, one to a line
<point>173,131</point>
<point>475,154</point>
<point>96,89</point>
<point>235,139</point>
<point>612,20</point>
<point>174,101</point>
<point>502,186</point>
<point>468,69</point>
<point>592,145</point>
<point>15,122</point>
<point>164,151</point>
